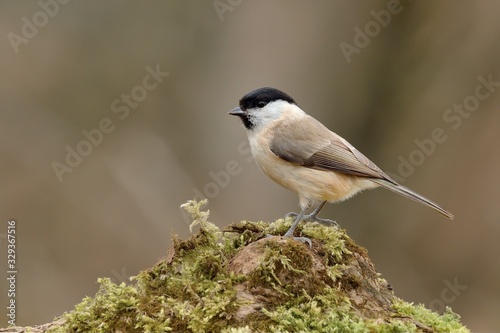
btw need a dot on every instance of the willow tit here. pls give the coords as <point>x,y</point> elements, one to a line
<point>298,152</point>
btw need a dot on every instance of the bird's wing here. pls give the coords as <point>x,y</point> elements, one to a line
<point>314,146</point>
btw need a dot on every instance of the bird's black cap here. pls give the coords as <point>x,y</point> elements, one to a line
<point>262,96</point>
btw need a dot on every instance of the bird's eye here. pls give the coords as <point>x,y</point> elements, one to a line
<point>261,104</point>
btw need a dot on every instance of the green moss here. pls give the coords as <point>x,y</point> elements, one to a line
<point>292,288</point>
<point>274,261</point>
<point>245,329</point>
<point>115,308</point>
<point>447,322</point>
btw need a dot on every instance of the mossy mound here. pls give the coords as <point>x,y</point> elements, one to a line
<point>239,280</point>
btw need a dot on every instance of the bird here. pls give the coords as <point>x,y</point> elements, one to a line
<point>301,154</point>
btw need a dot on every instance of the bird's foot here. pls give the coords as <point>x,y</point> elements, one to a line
<point>299,239</point>
<point>314,218</point>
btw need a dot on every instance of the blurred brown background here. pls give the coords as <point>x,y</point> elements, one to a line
<point>386,75</point>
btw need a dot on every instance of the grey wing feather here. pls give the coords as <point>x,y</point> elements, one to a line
<point>315,146</point>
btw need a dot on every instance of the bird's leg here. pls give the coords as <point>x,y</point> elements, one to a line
<point>313,217</point>
<point>290,231</point>
<point>317,210</point>
<point>299,217</point>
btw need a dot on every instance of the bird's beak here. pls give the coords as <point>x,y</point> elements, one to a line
<point>237,111</point>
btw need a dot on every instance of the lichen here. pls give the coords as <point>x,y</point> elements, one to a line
<point>240,281</point>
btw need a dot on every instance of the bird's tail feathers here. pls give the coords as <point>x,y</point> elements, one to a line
<point>406,192</point>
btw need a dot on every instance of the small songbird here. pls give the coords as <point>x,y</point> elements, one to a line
<point>300,153</point>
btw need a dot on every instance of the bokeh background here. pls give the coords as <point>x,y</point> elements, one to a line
<point>67,66</point>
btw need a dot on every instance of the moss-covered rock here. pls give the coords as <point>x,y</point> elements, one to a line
<point>241,280</point>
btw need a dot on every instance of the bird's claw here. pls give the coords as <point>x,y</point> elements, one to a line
<point>314,218</point>
<point>303,240</point>
<point>300,239</point>
<point>327,222</point>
